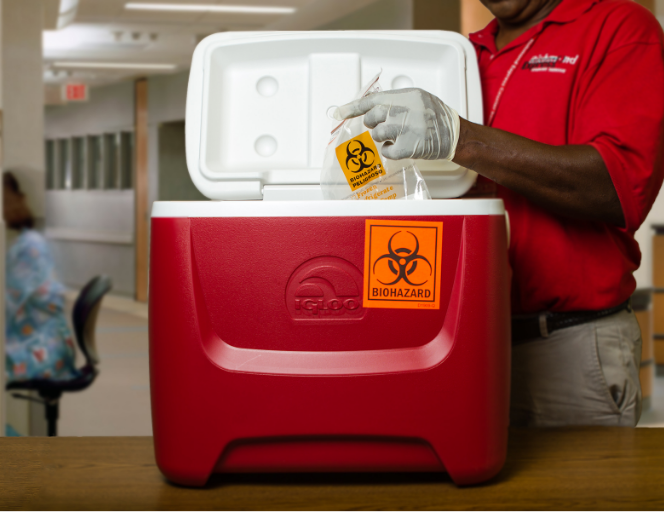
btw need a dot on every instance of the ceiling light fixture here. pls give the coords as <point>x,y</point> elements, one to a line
<point>239,9</point>
<point>115,65</point>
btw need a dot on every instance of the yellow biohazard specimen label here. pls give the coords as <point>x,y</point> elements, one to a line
<point>360,161</point>
<point>378,191</point>
<point>402,264</point>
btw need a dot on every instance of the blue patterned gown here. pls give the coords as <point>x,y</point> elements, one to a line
<point>39,343</point>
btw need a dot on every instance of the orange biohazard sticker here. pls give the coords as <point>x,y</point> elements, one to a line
<point>360,161</point>
<point>402,264</point>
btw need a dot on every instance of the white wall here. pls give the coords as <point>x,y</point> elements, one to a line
<point>381,15</point>
<point>23,96</point>
<point>110,213</point>
<point>110,108</point>
<point>167,97</point>
<point>92,231</point>
<point>167,100</point>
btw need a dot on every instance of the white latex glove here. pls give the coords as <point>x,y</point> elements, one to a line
<point>411,122</point>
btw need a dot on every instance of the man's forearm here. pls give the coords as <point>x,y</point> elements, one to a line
<point>568,180</point>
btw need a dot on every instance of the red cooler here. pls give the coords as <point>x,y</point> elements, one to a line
<point>289,333</point>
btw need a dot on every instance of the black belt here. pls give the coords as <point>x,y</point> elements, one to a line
<point>528,327</point>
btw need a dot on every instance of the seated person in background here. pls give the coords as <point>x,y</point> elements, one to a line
<point>39,344</point>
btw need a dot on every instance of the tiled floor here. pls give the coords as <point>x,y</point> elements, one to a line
<point>118,402</point>
<point>655,416</point>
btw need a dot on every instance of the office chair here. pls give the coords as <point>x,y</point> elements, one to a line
<point>84,318</point>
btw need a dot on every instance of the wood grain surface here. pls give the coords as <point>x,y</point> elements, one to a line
<point>581,468</point>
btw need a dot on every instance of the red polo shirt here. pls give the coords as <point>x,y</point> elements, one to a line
<point>593,74</point>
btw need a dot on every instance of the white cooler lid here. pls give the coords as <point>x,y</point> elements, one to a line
<point>257,102</point>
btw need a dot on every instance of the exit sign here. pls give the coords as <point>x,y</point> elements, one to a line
<point>76,92</point>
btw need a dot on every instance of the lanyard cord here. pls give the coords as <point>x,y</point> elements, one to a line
<point>505,81</point>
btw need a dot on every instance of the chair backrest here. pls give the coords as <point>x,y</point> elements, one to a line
<point>84,315</point>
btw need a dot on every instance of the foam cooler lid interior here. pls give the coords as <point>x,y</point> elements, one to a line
<point>257,102</point>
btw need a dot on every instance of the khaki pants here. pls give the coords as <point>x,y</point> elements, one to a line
<point>582,375</point>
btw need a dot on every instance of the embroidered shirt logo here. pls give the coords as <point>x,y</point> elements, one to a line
<point>550,63</point>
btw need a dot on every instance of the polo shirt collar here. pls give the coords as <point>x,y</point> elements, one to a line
<point>486,37</point>
<point>569,10</point>
<point>565,12</point>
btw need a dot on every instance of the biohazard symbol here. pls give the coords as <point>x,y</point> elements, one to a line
<point>359,157</point>
<point>402,262</point>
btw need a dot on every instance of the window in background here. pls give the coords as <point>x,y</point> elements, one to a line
<point>51,164</point>
<point>126,160</point>
<point>95,162</point>
<point>110,161</point>
<point>92,162</point>
<point>79,161</point>
<point>63,174</point>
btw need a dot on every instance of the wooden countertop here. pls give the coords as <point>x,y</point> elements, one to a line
<point>574,468</point>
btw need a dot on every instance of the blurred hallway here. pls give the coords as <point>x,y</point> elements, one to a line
<point>654,417</point>
<point>105,97</point>
<point>118,402</point>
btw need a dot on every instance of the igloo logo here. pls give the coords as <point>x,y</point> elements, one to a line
<point>325,288</point>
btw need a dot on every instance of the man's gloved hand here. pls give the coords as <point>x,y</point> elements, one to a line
<point>411,122</point>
